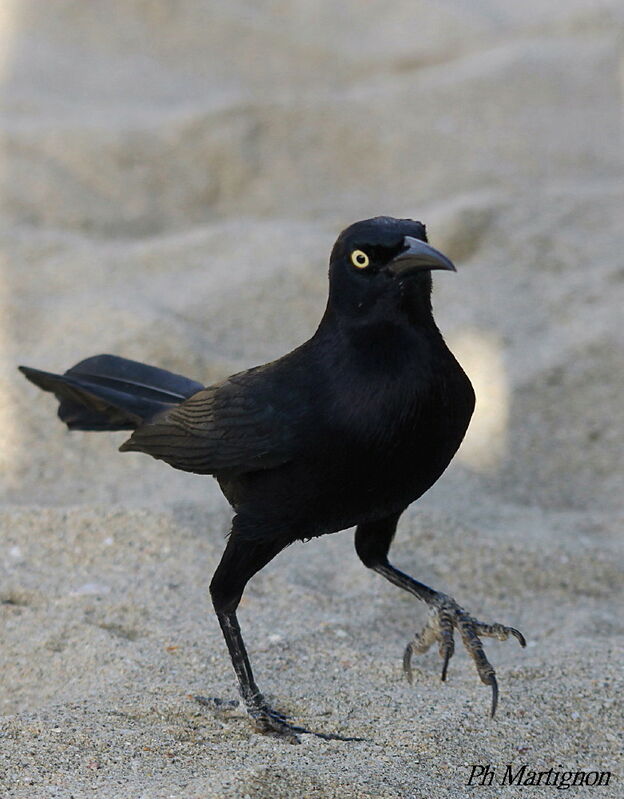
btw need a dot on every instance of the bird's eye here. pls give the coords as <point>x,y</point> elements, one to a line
<point>360,259</point>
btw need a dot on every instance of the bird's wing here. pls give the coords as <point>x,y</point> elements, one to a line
<point>231,426</point>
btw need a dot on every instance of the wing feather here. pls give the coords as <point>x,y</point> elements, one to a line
<point>232,426</point>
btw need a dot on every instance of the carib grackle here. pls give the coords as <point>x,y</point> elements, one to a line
<point>346,430</point>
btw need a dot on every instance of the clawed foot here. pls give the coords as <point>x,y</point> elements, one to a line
<point>273,722</point>
<point>447,615</point>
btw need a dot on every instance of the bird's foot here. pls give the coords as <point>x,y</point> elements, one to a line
<point>447,615</point>
<point>269,721</point>
<point>272,722</point>
<point>266,719</point>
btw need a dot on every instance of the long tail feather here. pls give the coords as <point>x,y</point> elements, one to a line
<point>106,392</point>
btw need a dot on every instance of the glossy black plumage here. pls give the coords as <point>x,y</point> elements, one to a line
<point>106,392</point>
<point>346,430</point>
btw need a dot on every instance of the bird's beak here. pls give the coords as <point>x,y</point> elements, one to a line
<point>418,256</point>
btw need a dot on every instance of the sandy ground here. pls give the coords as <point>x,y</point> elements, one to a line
<point>172,178</point>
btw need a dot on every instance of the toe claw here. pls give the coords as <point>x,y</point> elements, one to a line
<point>494,685</point>
<point>447,656</point>
<point>407,663</point>
<point>518,635</point>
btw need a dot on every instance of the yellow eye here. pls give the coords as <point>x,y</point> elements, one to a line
<point>360,259</point>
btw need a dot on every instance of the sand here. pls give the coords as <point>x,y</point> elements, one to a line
<point>172,178</point>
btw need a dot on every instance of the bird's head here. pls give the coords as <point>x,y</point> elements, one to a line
<point>380,269</point>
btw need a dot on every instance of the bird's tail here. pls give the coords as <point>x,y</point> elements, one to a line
<point>106,392</point>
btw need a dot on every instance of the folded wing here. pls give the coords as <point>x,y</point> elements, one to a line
<point>230,427</point>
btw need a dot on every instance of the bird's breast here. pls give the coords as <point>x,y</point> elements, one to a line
<point>390,439</point>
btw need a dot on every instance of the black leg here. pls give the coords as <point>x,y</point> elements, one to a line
<point>240,561</point>
<point>372,542</point>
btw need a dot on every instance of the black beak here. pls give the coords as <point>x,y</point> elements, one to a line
<point>418,256</point>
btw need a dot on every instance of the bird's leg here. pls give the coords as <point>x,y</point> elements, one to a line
<point>372,542</point>
<point>240,561</point>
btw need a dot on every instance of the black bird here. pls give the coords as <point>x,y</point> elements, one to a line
<point>346,430</point>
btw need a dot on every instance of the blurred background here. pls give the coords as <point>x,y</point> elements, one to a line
<point>172,178</point>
